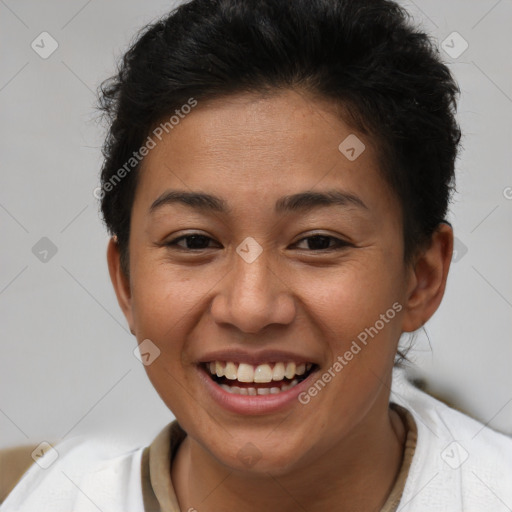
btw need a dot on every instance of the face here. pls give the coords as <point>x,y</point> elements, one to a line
<point>295,266</point>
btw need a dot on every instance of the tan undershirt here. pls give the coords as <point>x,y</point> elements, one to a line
<point>158,492</point>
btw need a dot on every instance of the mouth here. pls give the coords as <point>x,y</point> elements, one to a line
<point>253,380</point>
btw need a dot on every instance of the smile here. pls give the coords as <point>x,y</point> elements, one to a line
<point>257,380</point>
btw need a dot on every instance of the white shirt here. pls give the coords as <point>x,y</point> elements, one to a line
<point>458,465</point>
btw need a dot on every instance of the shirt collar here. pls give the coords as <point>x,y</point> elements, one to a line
<point>158,491</point>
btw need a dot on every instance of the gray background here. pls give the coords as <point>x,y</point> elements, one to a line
<point>67,365</point>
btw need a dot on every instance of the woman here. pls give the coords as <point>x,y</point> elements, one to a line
<point>276,180</point>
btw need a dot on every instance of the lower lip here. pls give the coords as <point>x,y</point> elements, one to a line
<point>260,404</point>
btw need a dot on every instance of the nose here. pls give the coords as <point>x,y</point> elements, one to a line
<point>253,296</point>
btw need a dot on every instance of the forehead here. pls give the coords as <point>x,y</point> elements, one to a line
<point>249,148</point>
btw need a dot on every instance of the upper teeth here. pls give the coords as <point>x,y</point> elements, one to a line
<point>267,372</point>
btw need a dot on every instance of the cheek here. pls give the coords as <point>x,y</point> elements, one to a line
<point>168,300</point>
<point>166,305</point>
<point>352,297</point>
<point>357,313</point>
<point>164,294</point>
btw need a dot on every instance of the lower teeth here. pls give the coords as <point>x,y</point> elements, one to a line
<point>258,391</point>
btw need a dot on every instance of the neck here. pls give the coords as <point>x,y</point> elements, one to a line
<point>356,474</point>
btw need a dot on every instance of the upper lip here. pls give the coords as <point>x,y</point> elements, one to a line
<point>258,357</point>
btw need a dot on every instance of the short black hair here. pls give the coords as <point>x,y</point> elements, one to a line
<point>365,55</point>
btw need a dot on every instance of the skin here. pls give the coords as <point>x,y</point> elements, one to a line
<point>342,450</point>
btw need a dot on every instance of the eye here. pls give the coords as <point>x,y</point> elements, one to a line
<point>192,242</point>
<point>322,243</point>
<point>197,242</point>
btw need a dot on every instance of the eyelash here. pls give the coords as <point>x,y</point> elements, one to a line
<point>338,245</point>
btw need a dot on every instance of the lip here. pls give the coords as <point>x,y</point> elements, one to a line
<point>262,357</point>
<point>253,405</point>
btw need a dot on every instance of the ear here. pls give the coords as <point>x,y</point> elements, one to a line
<point>120,281</point>
<point>428,279</point>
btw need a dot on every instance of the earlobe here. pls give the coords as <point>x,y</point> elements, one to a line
<point>428,279</point>
<point>120,281</point>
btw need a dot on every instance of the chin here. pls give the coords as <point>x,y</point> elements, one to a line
<point>259,455</point>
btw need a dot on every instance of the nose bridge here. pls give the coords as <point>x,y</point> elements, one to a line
<point>253,296</point>
<point>252,280</point>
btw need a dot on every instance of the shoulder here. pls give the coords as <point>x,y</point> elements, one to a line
<point>14,462</point>
<point>458,460</point>
<point>61,477</point>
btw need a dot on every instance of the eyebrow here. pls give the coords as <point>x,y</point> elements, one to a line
<point>300,202</point>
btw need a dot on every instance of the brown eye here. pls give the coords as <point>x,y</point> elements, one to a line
<point>192,242</point>
<point>322,243</point>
